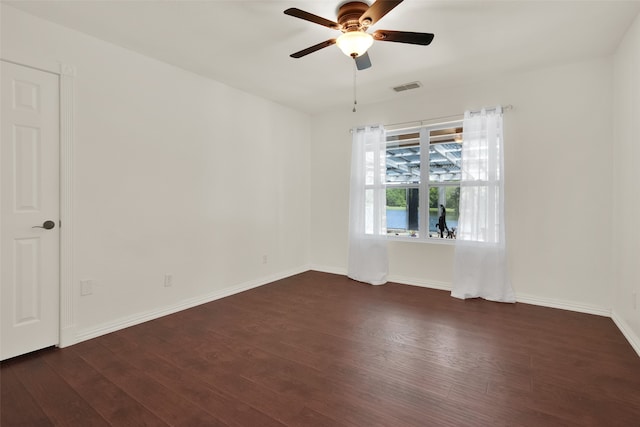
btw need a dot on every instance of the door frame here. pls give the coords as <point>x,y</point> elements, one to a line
<point>66,74</point>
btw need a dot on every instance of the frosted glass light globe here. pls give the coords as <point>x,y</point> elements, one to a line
<point>354,43</point>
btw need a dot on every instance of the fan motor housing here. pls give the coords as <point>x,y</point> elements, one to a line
<point>349,15</point>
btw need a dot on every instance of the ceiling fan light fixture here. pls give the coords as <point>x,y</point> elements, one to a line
<point>354,43</point>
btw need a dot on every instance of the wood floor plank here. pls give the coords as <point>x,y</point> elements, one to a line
<point>19,408</point>
<point>207,361</point>
<point>318,349</point>
<point>494,411</point>
<point>190,386</point>
<point>115,406</point>
<point>278,374</point>
<point>310,418</point>
<point>395,360</point>
<point>163,402</point>
<point>423,346</point>
<point>60,402</point>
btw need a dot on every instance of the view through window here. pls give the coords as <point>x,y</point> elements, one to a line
<point>411,186</point>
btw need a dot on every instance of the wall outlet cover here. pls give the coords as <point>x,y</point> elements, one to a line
<point>86,287</point>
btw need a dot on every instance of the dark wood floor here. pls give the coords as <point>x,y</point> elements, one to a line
<point>320,350</point>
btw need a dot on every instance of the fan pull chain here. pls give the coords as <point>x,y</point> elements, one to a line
<point>355,72</point>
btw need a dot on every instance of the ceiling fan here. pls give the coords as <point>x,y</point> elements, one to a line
<point>354,18</point>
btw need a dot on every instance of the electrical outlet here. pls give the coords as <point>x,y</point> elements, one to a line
<point>86,287</point>
<point>634,300</point>
<point>168,280</point>
<point>265,259</point>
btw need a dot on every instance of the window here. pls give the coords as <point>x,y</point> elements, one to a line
<point>410,186</point>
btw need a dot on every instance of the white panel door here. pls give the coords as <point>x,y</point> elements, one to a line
<point>30,197</point>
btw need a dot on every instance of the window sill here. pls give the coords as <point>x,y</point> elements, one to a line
<point>430,240</point>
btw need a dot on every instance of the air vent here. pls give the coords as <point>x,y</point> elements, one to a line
<point>407,86</point>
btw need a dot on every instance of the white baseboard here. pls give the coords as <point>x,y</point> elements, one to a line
<point>395,279</point>
<point>138,318</point>
<point>67,337</point>
<point>325,269</point>
<point>431,284</point>
<point>626,330</point>
<point>563,305</point>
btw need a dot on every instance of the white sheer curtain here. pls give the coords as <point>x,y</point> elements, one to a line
<point>480,267</point>
<point>368,260</point>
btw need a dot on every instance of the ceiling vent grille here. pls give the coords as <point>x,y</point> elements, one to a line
<point>407,86</point>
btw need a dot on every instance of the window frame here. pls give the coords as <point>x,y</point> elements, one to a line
<point>425,183</point>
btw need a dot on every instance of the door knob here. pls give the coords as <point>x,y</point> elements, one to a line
<point>47,225</point>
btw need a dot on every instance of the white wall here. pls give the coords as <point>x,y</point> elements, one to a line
<point>174,174</point>
<point>626,184</point>
<point>558,191</point>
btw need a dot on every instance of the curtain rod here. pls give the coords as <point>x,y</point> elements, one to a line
<point>451,116</point>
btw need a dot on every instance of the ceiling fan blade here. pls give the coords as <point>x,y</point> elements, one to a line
<point>297,13</point>
<point>378,10</point>
<point>363,61</point>
<point>313,48</point>
<point>403,37</point>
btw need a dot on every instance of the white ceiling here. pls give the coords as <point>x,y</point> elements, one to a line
<point>246,44</point>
